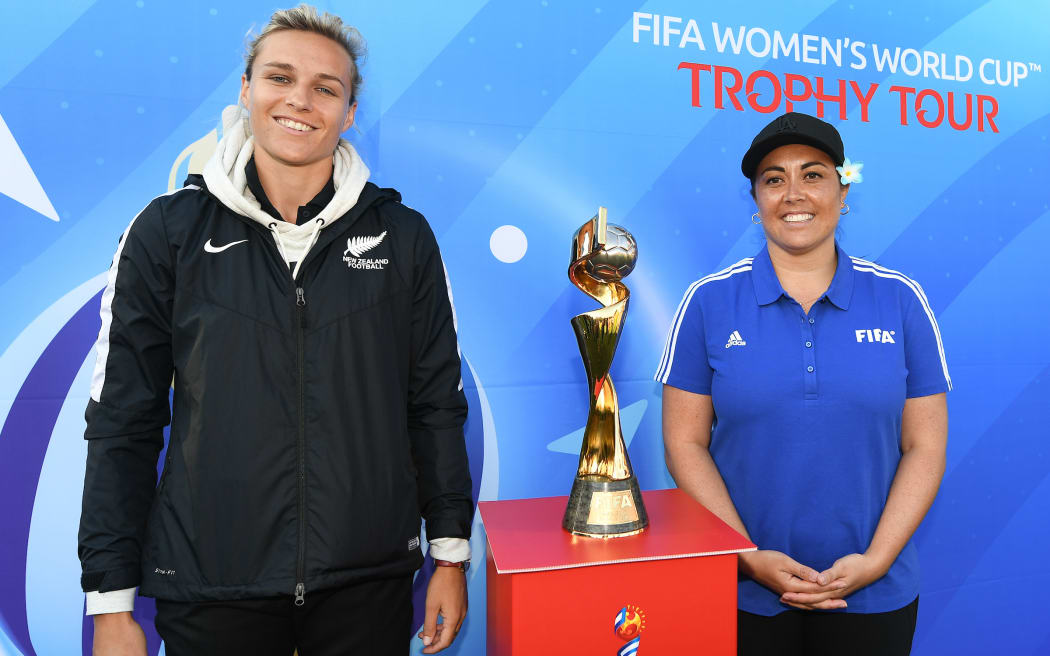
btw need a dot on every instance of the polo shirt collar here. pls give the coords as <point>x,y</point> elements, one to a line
<point>768,288</point>
<point>841,289</point>
<point>306,212</point>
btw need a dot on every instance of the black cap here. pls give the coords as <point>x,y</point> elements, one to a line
<point>793,128</point>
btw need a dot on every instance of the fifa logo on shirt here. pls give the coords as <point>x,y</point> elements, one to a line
<point>876,336</point>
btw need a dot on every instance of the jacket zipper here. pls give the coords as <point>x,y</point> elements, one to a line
<point>300,588</point>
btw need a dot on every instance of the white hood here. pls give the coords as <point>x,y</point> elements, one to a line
<point>224,175</point>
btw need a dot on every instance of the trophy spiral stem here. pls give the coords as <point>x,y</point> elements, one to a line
<point>604,453</point>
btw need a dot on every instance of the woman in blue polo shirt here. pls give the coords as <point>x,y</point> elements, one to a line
<point>804,404</point>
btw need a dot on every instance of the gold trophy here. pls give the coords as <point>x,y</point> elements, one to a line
<point>605,501</point>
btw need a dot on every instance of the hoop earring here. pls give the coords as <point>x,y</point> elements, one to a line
<point>845,209</point>
<point>756,219</point>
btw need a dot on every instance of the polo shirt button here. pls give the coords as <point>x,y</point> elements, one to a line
<point>809,368</point>
<point>809,344</point>
<point>812,320</point>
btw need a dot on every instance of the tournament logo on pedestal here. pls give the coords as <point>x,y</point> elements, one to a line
<point>628,625</point>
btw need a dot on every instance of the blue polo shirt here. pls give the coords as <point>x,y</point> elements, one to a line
<point>807,428</point>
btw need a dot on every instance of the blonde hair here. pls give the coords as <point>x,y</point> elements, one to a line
<point>306,19</point>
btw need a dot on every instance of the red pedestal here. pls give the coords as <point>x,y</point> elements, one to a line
<point>550,592</point>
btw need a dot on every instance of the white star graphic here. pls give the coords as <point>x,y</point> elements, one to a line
<point>17,179</point>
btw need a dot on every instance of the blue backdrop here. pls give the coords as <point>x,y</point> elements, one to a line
<point>507,124</point>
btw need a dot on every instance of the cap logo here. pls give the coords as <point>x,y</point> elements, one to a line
<point>787,124</point>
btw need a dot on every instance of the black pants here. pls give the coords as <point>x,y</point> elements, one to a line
<point>810,633</point>
<point>373,617</point>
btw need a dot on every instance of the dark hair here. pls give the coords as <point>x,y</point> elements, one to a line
<point>754,175</point>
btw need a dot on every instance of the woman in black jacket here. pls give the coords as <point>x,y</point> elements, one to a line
<point>302,317</point>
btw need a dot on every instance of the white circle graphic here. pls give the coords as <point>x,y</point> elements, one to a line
<point>508,243</point>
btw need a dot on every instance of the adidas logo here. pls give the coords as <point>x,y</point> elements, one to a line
<point>735,339</point>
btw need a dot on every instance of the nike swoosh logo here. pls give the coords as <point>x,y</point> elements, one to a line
<point>208,248</point>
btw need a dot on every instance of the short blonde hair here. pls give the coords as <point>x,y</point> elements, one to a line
<point>306,19</point>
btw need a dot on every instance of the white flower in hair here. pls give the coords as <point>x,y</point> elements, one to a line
<point>849,172</point>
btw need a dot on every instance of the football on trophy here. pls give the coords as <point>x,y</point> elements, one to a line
<point>617,257</point>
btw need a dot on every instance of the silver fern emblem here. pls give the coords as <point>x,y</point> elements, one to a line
<point>358,246</point>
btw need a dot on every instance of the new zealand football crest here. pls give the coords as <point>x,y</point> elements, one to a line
<point>358,246</point>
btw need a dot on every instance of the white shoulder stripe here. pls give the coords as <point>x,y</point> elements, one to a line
<point>98,377</point>
<point>455,322</point>
<point>916,288</point>
<point>877,267</point>
<point>667,358</point>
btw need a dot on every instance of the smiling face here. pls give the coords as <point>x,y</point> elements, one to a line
<point>798,195</point>
<point>299,98</point>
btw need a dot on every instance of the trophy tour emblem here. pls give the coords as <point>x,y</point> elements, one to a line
<point>605,501</point>
<point>628,625</point>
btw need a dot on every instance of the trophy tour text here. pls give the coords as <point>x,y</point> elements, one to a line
<point>765,92</point>
<point>768,92</point>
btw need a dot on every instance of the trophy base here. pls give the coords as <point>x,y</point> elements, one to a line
<point>605,509</point>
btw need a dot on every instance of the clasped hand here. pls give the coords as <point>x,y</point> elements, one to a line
<point>805,588</point>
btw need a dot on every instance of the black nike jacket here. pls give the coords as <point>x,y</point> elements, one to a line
<point>313,422</point>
